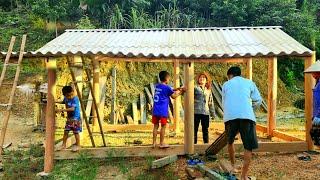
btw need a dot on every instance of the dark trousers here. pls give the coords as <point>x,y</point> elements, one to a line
<point>204,119</point>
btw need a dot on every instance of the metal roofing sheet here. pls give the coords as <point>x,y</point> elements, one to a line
<point>176,43</point>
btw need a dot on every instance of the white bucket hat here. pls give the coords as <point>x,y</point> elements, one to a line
<point>313,68</point>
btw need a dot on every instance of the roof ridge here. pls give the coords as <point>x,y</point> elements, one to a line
<point>174,29</point>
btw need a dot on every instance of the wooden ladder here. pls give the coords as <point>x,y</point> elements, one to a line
<point>14,84</point>
<point>85,117</point>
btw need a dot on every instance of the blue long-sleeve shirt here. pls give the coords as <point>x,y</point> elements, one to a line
<point>240,97</point>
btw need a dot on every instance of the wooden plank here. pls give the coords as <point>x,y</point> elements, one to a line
<point>129,120</point>
<point>149,96</point>
<point>217,145</point>
<point>261,128</point>
<point>103,88</point>
<point>152,89</point>
<point>162,60</point>
<point>272,94</point>
<point>285,136</point>
<point>217,96</point>
<point>164,161</point>
<point>189,108</point>
<point>309,84</point>
<point>217,87</point>
<point>141,151</point>
<point>128,127</point>
<point>210,173</point>
<point>50,116</point>
<point>135,112</point>
<point>113,95</point>
<point>143,110</point>
<point>89,102</point>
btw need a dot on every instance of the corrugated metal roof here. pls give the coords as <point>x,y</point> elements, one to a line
<point>176,43</point>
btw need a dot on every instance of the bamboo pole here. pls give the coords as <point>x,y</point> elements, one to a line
<point>96,92</point>
<point>50,116</point>
<point>272,94</point>
<point>309,84</point>
<point>6,61</point>
<point>189,108</point>
<point>177,101</point>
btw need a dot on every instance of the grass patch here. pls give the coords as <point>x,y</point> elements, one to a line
<point>83,168</point>
<point>23,164</point>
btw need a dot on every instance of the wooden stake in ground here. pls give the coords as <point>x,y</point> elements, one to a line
<point>189,108</point>
<point>13,89</point>
<point>272,94</point>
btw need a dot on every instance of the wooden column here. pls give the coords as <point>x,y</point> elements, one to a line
<point>272,94</point>
<point>114,95</point>
<point>309,83</point>
<point>249,68</point>
<point>177,101</point>
<point>50,116</point>
<point>78,72</point>
<point>189,108</point>
<point>96,92</point>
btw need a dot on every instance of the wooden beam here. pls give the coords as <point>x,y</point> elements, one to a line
<point>177,101</point>
<point>272,94</point>
<point>50,116</point>
<point>140,151</point>
<point>135,112</point>
<point>189,108</point>
<point>113,95</point>
<point>261,128</point>
<point>309,84</point>
<point>169,60</point>
<point>249,68</point>
<point>96,92</point>
<point>129,127</point>
<point>285,136</point>
<point>164,161</point>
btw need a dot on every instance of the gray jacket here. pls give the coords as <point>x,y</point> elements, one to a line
<point>203,102</point>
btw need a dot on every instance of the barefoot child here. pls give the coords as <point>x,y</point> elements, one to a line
<point>73,123</point>
<point>162,95</point>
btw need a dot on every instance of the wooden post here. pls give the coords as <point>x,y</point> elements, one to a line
<point>96,92</point>
<point>177,101</point>
<point>189,108</point>
<point>309,83</point>
<point>249,68</point>
<point>50,116</point>
<point>114,95</point>
<point>272,94</point>
<point>78,72</point>
<point>143,110</point>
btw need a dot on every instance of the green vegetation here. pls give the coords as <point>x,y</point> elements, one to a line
<point>43,19</point>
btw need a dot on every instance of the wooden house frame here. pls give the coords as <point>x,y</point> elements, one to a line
<point>259,34</point>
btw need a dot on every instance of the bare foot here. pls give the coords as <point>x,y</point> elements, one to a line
<point>75,148</point>
<point>163,146</point>
<point>154,145</point>
<point>62,147</point>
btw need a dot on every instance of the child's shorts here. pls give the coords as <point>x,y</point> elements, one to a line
<point>159,119</point>
<point>73,125</point>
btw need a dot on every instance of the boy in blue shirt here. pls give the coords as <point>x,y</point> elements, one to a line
<point>73,122</point>
<point>162,95</point>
